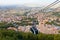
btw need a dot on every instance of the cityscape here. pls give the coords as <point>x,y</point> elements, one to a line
<point>30,22</point>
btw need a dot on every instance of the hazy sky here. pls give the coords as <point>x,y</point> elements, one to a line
<point>30,3</point>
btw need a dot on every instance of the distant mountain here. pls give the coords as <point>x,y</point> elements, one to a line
<point>17,6</point>
<point>13,7</point>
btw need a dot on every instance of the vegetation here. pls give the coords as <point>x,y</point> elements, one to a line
<point>5,25</point>
<point>28,21</point>
<point>6,34</point>
<point>56,14</point>
<point>13,35</point>
<point>23,22</point>
<point>53,22</point>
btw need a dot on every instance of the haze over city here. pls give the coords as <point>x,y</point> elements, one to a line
<point>29,3</point>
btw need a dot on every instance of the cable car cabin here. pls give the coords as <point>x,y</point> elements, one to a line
<point>34,30</point>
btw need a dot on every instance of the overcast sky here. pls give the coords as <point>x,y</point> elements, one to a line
<point>30,3</point>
